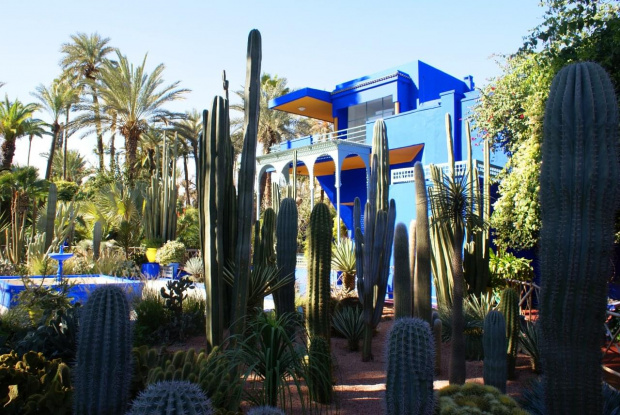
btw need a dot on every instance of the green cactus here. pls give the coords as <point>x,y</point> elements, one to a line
<point>373,249</point>
<point>318,319</point>
<point>579,184</point>
<point>97,234</point>
<point>104,361</point>
<point>380,148</point>
<point>402,275</point>
<point>412,260</point>
<point>509,306</point>
<point>422,276</point>
<point>172,397</point>
<point>495,369</point>
<point>276,197</point>
<point>52,198</point>
<point>410,367</point>
<point>320,370</point>
<point>437,327</point>
<point>265,410</point>
<point>246,183</point>
<point>266,249</point>
<point>286,255</point>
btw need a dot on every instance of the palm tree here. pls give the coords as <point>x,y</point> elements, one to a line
<point>187,130</point>
<point>82,60</point>
<point>73,165</point>
<point>137,99</point>
<point>55,99</point>
<point>14,123</point>
<point>272,125</point>
<point>33,128</point>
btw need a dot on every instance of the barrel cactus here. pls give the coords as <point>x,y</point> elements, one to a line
<point>409,383</point>
<point>171,397</point>
<point>495,369</point>
<point>579,184</point>
<point>103,370</point>
<point>265,410</point>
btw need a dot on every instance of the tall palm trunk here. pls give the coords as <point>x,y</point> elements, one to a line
<point>98,129</point>
<point>64,153</point>
<point>112,148</point>
<point>55,131</point>
<point>131,149</point>
<point>30,137</point>
<point>457,352</point>
<point>8,151</point>
<point>187,201</point>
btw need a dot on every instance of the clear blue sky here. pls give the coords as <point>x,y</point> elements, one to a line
<point>314,44</point>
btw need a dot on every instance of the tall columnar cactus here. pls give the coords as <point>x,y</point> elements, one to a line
<point>276,198</point>
<point>246,182</point>
<point>476,254</point>
<point>97,234</point>
<point>266,250</point>
<point>495,370</point>
<point>286,254</point>
<point>52,199</point>
<point>159,216</point>
<point>103,369</point>
<point>319,267</point>
<point>579,185</point>
<point>380,148</point>
<point>373,249</point>
<point>172,397</point>
<point>422,277</point>
<point>509,306</point>
<point>412,260</point>
<point>410,367</point>
<point>320,370</point>
<point>402,275</point>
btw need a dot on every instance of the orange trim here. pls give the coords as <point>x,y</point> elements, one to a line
<point>312,107</point>
<point>397,107</point>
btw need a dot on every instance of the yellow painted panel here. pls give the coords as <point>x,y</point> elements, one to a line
<point>313,108</point>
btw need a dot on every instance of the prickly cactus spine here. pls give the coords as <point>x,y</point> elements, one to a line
<point>286,254</point>
<point>422,278</point>
<point>172,397</point>
<point>509,306</point>
<point>495,370</point>
<point>103,370</point>
<point>319,267</point>
<point>402,275</point>
<point>578,197</point>
<point>409,383</point>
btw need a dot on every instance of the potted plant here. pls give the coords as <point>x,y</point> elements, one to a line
<point>152,245</point>
<point>172,253</point>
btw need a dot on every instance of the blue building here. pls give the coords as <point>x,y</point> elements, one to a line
<point>413,100</point>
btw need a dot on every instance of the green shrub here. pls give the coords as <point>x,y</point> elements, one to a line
<point>34,385</point>
<point>171,252</point>
<point>152,319</point>
<point>188,228</point>
<point>472,398</point>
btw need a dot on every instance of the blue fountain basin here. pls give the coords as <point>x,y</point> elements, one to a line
<point>60,256</point>
<point>81,287</point>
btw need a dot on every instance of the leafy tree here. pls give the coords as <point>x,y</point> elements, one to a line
<point>511,107</point>
<point>14,123</point>
<point>82,60</point>
<point>188,129</point>
<point>75,166</point>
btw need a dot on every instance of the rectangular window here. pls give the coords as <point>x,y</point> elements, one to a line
<point>370,111</point>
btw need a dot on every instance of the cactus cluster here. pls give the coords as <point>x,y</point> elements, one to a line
<point>410,368</point>
<point>104,362</point>
<point>373,247</point>
<point>509,306</point>
<point>286,254</point>
<point>495,369</point>
<point>318,319</point>
<point>579,183</point>
<point>171,397</point>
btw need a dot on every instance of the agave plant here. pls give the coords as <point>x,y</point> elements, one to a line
<point>264,281</point>
<point>195,268</point>
<point>529,343</point>
<point>343,260</point>
<point>349,322</point>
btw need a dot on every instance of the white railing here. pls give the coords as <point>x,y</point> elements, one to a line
<point>405,174</point>
<point>351,135</point>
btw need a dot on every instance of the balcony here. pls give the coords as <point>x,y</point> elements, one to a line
<point>349,135</point>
